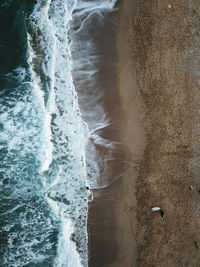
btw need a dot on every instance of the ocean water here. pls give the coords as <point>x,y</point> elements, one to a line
<point>47,162</point>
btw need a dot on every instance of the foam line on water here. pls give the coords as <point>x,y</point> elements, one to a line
<point>65,125</point>
<point>39,94</point>
<point>64,162</point>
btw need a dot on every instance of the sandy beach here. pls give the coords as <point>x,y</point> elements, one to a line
<point>159,85</point>
<point>112,214</point>
<point>158,78</point>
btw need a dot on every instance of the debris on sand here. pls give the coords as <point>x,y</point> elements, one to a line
<point>196,244</point>
<point>156,209</point>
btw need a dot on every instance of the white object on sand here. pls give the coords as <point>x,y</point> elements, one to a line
<point>155,209</point>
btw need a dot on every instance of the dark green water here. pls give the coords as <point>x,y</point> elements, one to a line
<point>28,232</point>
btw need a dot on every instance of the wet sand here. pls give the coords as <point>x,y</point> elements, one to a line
<point>101,32</point>
<point>102,219</point>
<point>112,218</point>
<point>112,214</point>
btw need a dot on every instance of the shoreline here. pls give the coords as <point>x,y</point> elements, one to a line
<point>102,224</point>
<point>99,99</point>
<point>112,214</point>
<point>132,135</point>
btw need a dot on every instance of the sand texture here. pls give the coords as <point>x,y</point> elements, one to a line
<point>159,44</point>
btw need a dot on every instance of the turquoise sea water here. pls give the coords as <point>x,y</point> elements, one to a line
<point>29,232</point>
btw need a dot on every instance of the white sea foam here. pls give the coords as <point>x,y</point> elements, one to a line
<point>20,141</point>
<point>66,187</point>
<point>86,6</point>
<point>53,23</point>
<point>64,156</point>
<point>68,255</point>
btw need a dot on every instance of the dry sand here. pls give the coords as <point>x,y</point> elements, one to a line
<point>160,98</point>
